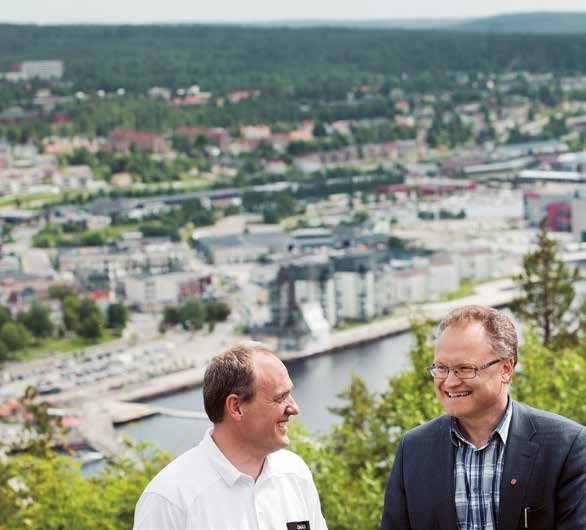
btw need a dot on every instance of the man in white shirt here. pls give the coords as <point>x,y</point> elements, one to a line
<point>239,477</point>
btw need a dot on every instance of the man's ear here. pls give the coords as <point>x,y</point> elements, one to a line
<point>233,407</point>
<point>507,373</point>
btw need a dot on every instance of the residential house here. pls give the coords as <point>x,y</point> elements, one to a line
<point>43,70</point>
<point>153,291</point>
<point>121,140</point>
<point>77,178</point>
<point>355,287</point>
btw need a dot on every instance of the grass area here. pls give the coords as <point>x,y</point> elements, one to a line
<point>399,312</point>
<point>66,345</point>
<point>56,238</point>
<point>466,289</point>
<point>116,230</point>
<point>23,201</point>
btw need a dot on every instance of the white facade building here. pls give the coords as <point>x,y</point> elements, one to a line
<point>410,286</point>
<point>77,178</point>
<point>443,276</point>
<point>152,291</point>
<point>42,69</point>
<point>578,206</point>
<point>475,265</point>
<point>355,298</point>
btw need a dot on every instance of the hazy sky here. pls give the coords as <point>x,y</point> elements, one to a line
<point>139,11</point>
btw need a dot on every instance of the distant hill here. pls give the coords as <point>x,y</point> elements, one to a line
<point>527,23</point>
<point>544,22</point>
<point>398,23</point>
<point>315,62</point>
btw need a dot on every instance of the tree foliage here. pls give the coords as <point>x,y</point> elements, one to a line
<point>37,320</point>
<point>39,489</point>
<point>351,463</point>
<point>194,313</point>
<point>547,292</point>
<point>117,315</point>
<point>313,62</point>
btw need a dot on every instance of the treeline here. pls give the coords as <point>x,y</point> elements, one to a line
<point>194,313</point>
<point>79,317</point>
<point>312,62</point>
<point>105,163</point>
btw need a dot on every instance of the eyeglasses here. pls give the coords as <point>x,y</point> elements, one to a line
<point>462,372</point>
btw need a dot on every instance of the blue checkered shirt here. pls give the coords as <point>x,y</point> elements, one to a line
<point>477,476</point>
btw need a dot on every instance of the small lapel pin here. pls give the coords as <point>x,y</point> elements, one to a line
<point>513,481</point>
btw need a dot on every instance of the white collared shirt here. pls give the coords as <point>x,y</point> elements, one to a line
<point>201,489</point>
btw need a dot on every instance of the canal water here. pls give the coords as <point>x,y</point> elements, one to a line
<point>317,381</point>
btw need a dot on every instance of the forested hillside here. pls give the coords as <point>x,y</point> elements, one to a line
<point>311,61</point>
<point>528,23</point>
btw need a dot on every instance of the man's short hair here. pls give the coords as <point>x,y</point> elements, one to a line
<point>499,328</point>
<point>230,372</point>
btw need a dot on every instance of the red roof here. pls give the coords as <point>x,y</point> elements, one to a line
<point>71,421</point>
<point>99,295</point>
<point>134,136</point>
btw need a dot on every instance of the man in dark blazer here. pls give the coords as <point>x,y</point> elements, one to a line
<point>490,462</point>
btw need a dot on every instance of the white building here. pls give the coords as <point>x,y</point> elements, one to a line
<point>443,276</point>
<point>77,178</point>
<point>475,264</point>
<point>42,69</point>
<point>578,206</point>
<point>410,286</point>
<point>355,295</point>
<point>152,291</point>
<point>128,258</point>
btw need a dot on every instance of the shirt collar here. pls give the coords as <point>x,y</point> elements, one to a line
<point>502,429</point>
<point>229,473</point>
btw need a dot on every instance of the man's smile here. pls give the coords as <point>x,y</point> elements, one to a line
<point>458,394</point>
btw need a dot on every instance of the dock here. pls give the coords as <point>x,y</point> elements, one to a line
<point>98,430</point>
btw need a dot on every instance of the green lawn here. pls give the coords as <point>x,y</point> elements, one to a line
<point>66,345</point>
<point>116,230</point>
<point>47,197</point>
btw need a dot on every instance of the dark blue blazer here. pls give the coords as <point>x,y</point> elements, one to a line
<point>544,476</point>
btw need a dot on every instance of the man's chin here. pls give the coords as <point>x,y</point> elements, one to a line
<point>457,409</point>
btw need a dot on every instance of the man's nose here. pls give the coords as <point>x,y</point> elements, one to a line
<point>452,379</point>
<point>292,407</point>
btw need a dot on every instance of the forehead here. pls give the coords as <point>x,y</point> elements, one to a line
<point>461,343</point>
<point>270,373</point>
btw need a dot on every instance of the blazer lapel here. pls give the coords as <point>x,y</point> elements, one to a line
<point>445,478</point>
<point>520,455</point>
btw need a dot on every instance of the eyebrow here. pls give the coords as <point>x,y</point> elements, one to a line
<point>460,365</point>
<point>283,394</point>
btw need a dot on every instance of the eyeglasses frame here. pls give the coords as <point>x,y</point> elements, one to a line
<point>454,370</point>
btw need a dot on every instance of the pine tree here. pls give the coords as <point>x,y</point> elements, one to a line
<point>547,287</point>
